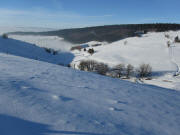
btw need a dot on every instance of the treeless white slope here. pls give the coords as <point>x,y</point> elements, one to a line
<point>27,50</point>
<point>53,42</point>
<point>38,98</point>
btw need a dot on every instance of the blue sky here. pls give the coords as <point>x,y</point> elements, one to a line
<point>81,13</point>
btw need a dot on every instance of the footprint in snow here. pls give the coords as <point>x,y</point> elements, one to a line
<point>62,98</point>
<point>117,102</point>
<point>32,78</point>
<point>25,87</point>
<point>122,102</point>
<point>65,99</point>
<point>55,97</point>
<point>115,109</point>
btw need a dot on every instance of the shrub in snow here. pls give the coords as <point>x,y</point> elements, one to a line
<point>168,44</point>
<point>5,36</point>
<point>51,51</point>
<point>167,36</point>
<point>177,39</point>
<point>129,70</point>
<point>55,52</point>
<point>145,70</point>
<point>91,51</point>
<point>69,65</point>
<point>125,42</point>
<point>119,70</point>
<point>48,50</point>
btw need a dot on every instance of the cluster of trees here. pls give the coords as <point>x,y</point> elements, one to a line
<point>93,66</point>
<point>119,71</point>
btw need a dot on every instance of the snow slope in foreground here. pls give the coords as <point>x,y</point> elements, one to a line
<point>38,98</point>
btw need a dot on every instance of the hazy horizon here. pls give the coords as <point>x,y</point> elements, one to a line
<point>60,14</point>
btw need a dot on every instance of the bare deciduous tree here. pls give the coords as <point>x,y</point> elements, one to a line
<point>101,68</point>
<point>144,70</point>
<point>119,69</point>
<point>129,70</point>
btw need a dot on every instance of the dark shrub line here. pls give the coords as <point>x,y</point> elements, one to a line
<point>119,71</point>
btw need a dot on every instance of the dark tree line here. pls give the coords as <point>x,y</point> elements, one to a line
<point>119,71</point>
<point>108,33</point>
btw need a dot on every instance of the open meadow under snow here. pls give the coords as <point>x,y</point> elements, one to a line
<point>151,48</point>
<point>54,42</point>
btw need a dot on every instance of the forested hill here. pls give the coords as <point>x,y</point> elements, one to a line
<point>108,33</point>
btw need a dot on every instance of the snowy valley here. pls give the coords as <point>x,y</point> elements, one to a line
<point>151,48</point>
<point>38,96</point>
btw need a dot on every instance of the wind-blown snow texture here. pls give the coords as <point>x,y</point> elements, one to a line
<point>40,98</point>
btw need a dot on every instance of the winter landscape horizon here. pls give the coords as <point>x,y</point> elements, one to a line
<point>94,67</point>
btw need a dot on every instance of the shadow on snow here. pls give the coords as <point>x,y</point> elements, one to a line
<point>14,126</point>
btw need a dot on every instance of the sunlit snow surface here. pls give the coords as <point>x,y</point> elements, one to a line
<point>54,42</point>
<point>38,98</point>
<point>150,49</point>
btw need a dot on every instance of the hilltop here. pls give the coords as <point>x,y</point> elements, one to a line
<point>109,33</point>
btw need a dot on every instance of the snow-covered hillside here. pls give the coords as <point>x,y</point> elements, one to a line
<point>38,98</point>
<point>151,48</point>
<point>53,42</point>
<point>23,49</point>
